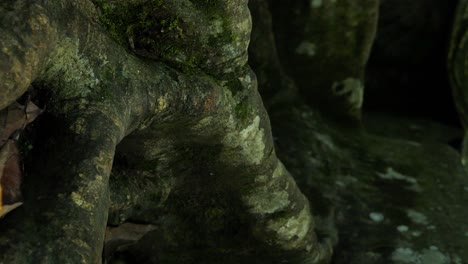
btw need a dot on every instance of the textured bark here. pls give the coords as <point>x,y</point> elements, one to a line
<point>155,145</point>
<point>328,42</point>
<point>100,93</point>
<point>391,190</point>
<point>458,70</point>
<point>394,200</point>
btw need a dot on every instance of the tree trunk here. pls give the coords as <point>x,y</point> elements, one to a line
<point>155,145</point>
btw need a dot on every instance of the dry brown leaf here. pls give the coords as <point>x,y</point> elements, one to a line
<point>12,119</point>
<point>8,208</point>
<point>12,175</point>
<point>4,152</point>
<point>16,117</point>
<point>10,178</point>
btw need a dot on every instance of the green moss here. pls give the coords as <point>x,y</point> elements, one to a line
<point>190,65</point>
<point>226,35</point>
<point>76,73</point>
<point>243,109</point>
<point>234,85</point>
<point>114,24</point>
<point>138,25</point>
<point>211,6</point>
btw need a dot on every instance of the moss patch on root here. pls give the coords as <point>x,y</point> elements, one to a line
<point>138,25</point>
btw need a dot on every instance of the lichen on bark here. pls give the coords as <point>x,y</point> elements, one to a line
<point>126,94</point>
<point>153,117</point>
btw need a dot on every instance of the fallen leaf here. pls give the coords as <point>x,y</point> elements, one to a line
<point>4,152</point>
<point>5,209</point>
<point>16,117</point>
<point>10,178</point>
<point>12,175</point>
<point>13,119</point>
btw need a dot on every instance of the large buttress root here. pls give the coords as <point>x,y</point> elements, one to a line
<point>457,67</point>
<point>100,93</point>
<point>27,38</point>
<point>66,198</point>
<point>328,42</point>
